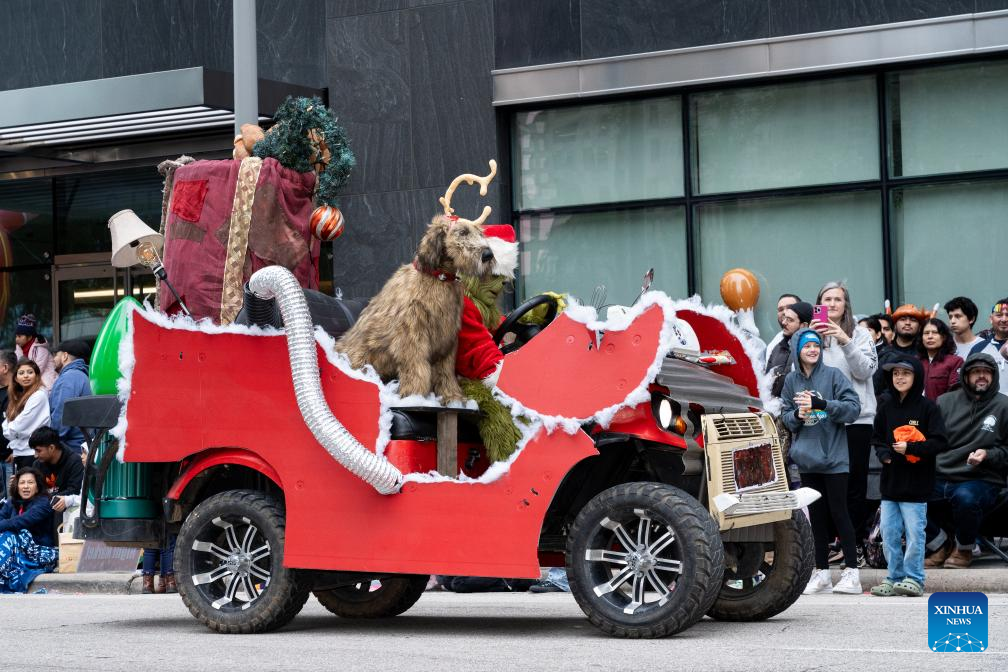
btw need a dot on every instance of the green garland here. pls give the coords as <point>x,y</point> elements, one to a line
<point>288,142</point>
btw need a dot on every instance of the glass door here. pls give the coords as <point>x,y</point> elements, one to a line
<point>84,294</point>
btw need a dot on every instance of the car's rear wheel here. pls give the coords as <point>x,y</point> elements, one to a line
<point>762,579</point>
<point>229,564</point>
<point>644,560</point>
<point>381,598</point>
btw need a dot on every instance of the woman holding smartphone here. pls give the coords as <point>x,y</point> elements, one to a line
<point>851,349</point>
<point>27,410</point>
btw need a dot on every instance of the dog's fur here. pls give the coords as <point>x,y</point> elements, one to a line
<point>410,329</point>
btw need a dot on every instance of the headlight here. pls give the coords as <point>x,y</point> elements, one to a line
<point>665,413</point>
<point>667,416</point>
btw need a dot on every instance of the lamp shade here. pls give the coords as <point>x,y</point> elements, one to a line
<point>128,231</point>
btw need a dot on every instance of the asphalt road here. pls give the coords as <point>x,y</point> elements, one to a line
<point>513,632</point>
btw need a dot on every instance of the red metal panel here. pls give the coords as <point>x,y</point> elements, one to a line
<point>714,335</point>
<point>216,458</point>
<point>193,391</point>
<point>564,372</point>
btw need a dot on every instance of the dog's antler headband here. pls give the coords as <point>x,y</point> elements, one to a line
<point>469,178</point>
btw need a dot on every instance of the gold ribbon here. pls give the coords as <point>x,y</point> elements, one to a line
<point>237,245</point>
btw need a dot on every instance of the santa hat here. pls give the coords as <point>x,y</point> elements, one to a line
<point>502,241</point>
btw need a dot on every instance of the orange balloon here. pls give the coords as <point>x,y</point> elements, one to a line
<point>739,289</point>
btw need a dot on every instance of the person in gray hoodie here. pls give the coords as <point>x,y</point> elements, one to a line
<point>972,472</point>
<point>818,401</point>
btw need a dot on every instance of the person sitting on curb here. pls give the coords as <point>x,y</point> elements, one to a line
<point>908,433</point>
<point>972,472</point>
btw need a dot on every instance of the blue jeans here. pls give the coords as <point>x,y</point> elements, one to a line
<point>970,501</point>
<point>558,577</point>
<point>160,558</point>
<point>6,473</point>
<point>901,519</point>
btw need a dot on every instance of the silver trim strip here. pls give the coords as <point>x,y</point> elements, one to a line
<point>868,45</point>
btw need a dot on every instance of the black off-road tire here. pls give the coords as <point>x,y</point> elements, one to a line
<point>394,596</point>
<point>784,578</point>
<point>696,544</point>
<point>270,595</point>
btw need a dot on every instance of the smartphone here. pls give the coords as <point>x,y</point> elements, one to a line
<point>52,502</point>
<point>820,313</point>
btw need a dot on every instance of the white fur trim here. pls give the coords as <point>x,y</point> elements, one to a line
<point>505,256</point>
<point>491,380</point>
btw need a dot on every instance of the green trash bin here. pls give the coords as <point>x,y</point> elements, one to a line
<point>127,491</point>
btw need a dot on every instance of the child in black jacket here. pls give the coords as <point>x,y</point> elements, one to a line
<point>908,433</point>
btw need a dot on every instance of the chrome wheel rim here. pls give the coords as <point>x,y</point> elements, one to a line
<point>232,563</point>
<point>634,562</point>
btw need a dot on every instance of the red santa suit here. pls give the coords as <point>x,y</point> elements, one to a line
<point>478,357</point>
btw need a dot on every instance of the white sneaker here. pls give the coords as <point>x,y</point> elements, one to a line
<point>819,583</point>
<point>849,583</point>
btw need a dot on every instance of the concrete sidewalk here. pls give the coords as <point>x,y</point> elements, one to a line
<point>986,578</point>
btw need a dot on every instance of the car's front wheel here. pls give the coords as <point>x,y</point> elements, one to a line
<point>644,560</point>
<point>762,579</point>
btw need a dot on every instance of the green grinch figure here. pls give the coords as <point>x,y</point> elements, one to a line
<point>479,360</point>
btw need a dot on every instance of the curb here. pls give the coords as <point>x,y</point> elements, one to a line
<point>98,583</point>
<point>982,580</point>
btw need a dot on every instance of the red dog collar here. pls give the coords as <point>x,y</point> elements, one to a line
<point>443,276</point>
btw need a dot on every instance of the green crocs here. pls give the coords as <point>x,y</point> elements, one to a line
<point>909,587</point>
<point>884,589</point>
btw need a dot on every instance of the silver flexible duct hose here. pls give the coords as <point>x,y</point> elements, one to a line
<point>277,281</point>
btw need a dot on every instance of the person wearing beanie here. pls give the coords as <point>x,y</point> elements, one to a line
<point>907,436</point>
<point>29,343</point>
<point>818,401</point>
<point>783,302</point>
<point>72,382</point>
<point>793,317</point>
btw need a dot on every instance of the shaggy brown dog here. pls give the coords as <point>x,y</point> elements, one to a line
<point>410,330</point>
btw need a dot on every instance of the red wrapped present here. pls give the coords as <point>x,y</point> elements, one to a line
<point>227,219</point>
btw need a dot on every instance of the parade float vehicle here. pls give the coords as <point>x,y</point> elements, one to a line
<point>646,467</point>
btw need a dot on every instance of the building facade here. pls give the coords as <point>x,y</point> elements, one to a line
<point>805,141</point>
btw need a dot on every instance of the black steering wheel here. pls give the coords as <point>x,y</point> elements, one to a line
<point>524,332</point>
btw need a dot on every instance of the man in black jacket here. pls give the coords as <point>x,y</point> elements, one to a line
<point>972,472</point>
<point>63,470</point>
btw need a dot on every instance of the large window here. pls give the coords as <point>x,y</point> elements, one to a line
<point>949,119</point>
<point>786,135</point>
<point>949,241</point>
<point>623,151</point>
<point>795,181</point>
<point>795,246</point>
<point>604,254</point>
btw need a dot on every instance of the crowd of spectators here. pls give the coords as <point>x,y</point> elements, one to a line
<point>41,465</point>
<point>958,450</point>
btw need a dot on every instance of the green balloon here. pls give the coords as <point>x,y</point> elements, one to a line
<point>105,354</point>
